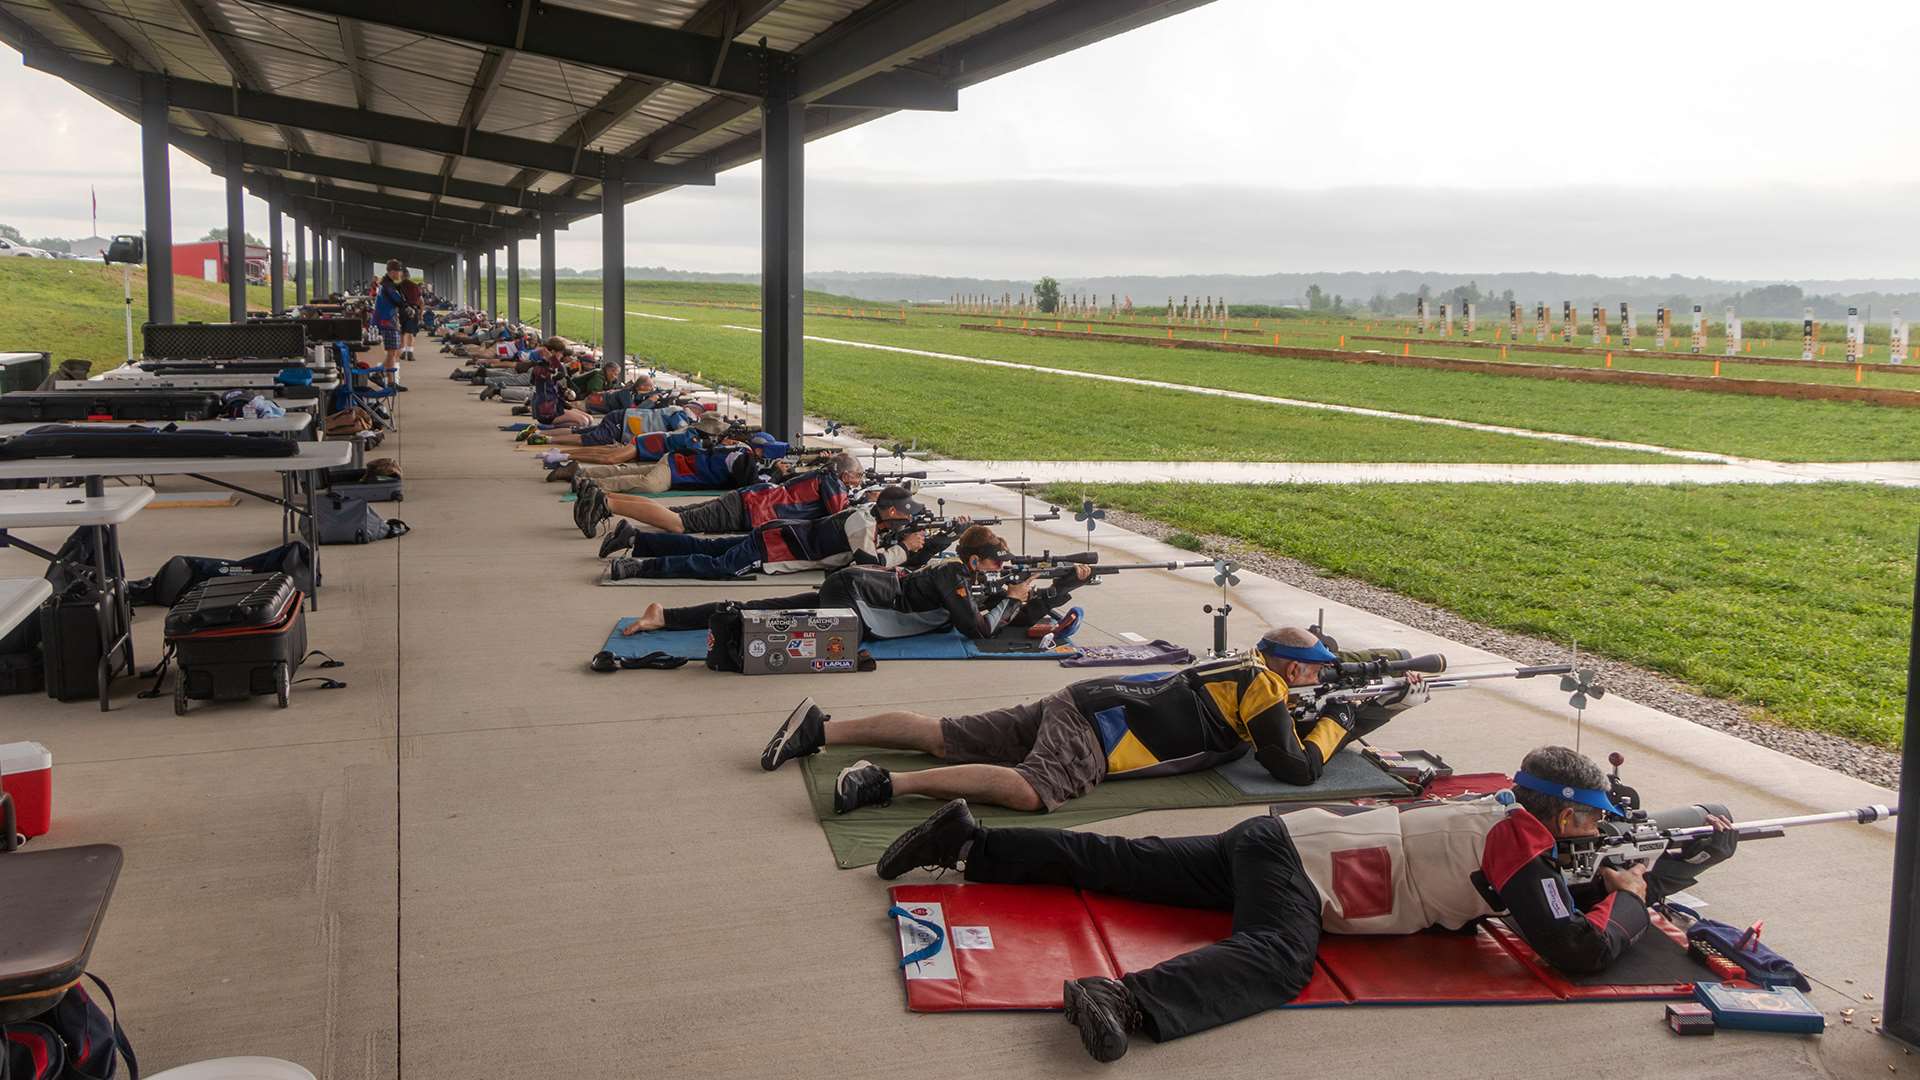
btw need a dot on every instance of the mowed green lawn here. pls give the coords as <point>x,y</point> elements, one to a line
<point>967,410</point>
<point>74,310</point>
<point>1796,599</point>
<point>1769,428</point>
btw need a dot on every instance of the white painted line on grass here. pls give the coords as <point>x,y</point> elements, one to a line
<point>1266,399</point>
<point>635,314</point>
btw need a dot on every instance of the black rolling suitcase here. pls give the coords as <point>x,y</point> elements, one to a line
<point>235,637</point>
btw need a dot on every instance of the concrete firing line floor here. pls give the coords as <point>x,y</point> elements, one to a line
<point>482,861</point>
<point>694,868</point>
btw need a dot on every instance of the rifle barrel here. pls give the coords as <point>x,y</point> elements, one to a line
<point>1514,673</point>
<point>1860,815</point>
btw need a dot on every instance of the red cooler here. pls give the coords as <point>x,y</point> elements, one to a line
<point>26,774</point>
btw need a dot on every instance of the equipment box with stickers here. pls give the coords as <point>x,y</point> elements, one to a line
<point>223,341</point>
<point>800,642</point>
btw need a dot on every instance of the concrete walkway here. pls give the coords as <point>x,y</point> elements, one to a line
<point>480,860</point>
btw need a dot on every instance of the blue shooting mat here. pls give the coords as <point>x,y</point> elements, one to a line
<point>947,645</point>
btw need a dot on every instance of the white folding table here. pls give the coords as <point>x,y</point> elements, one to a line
<point>19,599</point>
<point>103,513</point>
<point>308,460</point>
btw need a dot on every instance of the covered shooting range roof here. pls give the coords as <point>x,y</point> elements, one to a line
<point>500,109</point>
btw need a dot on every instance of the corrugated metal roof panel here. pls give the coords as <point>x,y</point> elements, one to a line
<point>539,98</point>
<point>486,171</point>
<point>157,28</point>
<point>418,76</point>
<point>57,30</point>
<point>693,148</point>
<point>669,13</point>
<point>407,157</point>
<point>659,110</point>
<point>337,146</point>
<point>797,22</point>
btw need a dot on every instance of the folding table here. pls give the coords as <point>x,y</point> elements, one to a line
<point>103,513</point>
<point>309,460</point>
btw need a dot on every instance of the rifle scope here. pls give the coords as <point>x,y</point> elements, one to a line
<point>1364,670</point>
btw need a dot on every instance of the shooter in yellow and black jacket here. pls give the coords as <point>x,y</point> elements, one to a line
<point>1040,754</point>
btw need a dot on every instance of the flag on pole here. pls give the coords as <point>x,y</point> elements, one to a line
<point>94,197</point>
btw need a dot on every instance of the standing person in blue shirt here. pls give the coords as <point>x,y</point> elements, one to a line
<point>388,304</point>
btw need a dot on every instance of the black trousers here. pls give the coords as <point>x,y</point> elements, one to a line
<point>695,616</point>
<point>1251,870</point>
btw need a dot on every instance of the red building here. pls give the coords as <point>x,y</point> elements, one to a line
<point>207,260</point>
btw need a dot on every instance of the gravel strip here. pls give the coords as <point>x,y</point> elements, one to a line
<point>1869,763</point>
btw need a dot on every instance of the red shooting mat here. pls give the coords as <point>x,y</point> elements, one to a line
<point>1011,946</point>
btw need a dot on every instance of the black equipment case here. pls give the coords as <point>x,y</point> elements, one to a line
<point>235,637</point>
<point>70,641</point>
<point>282,340</point>
<point>133,403</point>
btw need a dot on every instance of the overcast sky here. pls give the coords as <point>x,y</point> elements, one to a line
<point>1736,140</point>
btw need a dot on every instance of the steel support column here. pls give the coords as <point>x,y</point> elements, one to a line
<point>513,279</point>
<point>782,256</point>
<point>493,285</point>
<point>1901,1018</point>
<point>276,263</point>
<point>322,281</point>
<point>613,270</point>
<point>157,186</point>
<point>299,261</point>
<point>549,320</point>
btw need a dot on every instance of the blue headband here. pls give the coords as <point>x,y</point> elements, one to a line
<point>1306,654</point>
<point>1592,797</point>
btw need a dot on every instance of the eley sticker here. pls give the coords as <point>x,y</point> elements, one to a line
<point>914,937</point>
<point>1556,898</point>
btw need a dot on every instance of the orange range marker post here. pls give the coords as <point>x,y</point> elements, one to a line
<point>1343,341</point>
<point>1609,357</point>
<point>1858,372</point>
<point>1406,349</point>
<point>1716,367</point>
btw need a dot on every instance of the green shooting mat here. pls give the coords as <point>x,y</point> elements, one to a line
<point>858,838</point>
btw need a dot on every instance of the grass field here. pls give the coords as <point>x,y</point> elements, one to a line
<point>1775,429</point>
<point>73,310</point>
<point>962,409</point>
<point>1794,599</point>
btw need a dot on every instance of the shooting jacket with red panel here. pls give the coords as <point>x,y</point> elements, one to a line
<point>810,495</point>
<point>1400,869</point>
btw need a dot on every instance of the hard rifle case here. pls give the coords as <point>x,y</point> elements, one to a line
<point>135,403</point>
<point>235,637</point>
<point>281,340</point>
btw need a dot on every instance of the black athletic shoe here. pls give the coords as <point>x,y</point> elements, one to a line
<point>1104,1012</point>
<point>594,512</point>
<point>623,569</point>
<point>621,537</point>
<point>862,784</point>
<point>804,732</point>
<point>938,843</point>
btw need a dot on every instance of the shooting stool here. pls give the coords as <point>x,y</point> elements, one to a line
<point>54,902</point>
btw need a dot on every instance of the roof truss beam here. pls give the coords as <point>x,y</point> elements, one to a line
<point>355,123</point>
<point>563,33</point>
<point>892,36</point>
<point>495,195</point>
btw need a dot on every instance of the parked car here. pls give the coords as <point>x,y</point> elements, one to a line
<point>8,247</point>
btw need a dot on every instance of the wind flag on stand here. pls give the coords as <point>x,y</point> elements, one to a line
<point>1626,325</point>
<point>1733,333</point>
<point>1856,337</point>
<point>1806,333</point>
<point>1699,330</point>
<point>1897,340</point>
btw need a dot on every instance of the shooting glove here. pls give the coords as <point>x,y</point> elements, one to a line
<point>1340,712</point>
<point>1413,695</point>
